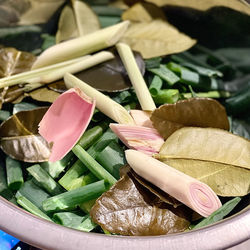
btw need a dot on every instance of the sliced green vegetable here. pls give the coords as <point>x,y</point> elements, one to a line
<point>44,179</point>
<point>33,193</point>
<point>14,173</point>
<point>23,106</point>
<point>93,165</point>
<point>29,206</point>
<point>155,86</point>
<point>87,205</point>
<point>76,183</point>
<point>165,74</point>
<point>87,225</point>
<point>77,169</point>
<point>153,62</point>
<point>4,190</point>
<point>167,96</point>
<point>69,219</point>
<point>103,141</point>
<point>75,197</point>
<point>219,214</point>
<point>88,179</point>
<point>112,158</point>
<point>56,168</point>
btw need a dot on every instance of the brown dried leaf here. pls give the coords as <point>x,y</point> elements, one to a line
<point>125,210</point>
<point>44,95</point>
<point>194,112</point>
<point>20,138</point>
<point>157,38</point>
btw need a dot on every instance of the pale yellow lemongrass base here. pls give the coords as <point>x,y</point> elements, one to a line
<point>105,104</point>
<point>135,76</point>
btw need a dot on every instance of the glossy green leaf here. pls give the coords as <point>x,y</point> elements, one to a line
<point>130,209</point>
<point>20,139</point>
<point>194,112</point>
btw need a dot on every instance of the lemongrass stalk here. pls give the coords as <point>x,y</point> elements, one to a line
<point>136,78</point>
<point>105,104</point>
<point>82,45</point>
<point>74,68</point>
<point>25,76</point>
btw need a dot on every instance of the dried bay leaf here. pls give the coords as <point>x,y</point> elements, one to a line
<point>193,112</point>
<point>143,12</point>
<point>156,38</point>
<point>110,76</point>
<point>13,61</point>
<point>44,95</point>
<point>125,210</point>
<point>224,179</point>
<point>77,19</point>
<point>20,138</point>
<point>207,144</point>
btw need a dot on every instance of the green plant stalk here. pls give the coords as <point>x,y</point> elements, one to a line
<point>74,172</point>
<point>87,225</point>
<point>29,206</point>
<point>112,158</point>
<point>87,205</point>
<point>167,96</point>
<point>93,165</point>
<point>102,142</point>
<point>155,86</point>
<point>4,190</point>
<point>164,73</point>
<point>76,183</point>
<point>75,197</point>
<point>219,214</point>
<point>44,179</point>
<point>88,179</point>
<point>209,94</point>
<point>68,219</point>
<point>33,193</point>
<point>14,174</point>
<point>56,168</point>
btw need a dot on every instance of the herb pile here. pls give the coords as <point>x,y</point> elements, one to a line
<point>202,96</point>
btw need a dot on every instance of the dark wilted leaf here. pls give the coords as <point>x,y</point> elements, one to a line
<point>57,86</point>
<point>194,112</point>
<point>20,138</point>
<point>110,76</point>
<point>130,209</point>
<point>241,128</point>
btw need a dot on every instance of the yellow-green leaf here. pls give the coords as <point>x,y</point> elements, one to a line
<point>207,144</point>
<point>156,38</point>
<point>224,179</point>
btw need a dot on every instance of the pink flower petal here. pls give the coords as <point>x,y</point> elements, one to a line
<point>65,121</point>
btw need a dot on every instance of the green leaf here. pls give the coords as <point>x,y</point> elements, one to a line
<point>219,214</point>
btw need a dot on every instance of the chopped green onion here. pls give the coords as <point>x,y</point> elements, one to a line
<point>167,96</point>
<point>153,62</point>
<point>4,115</point>
<point>14,173</point>
<point>87,225</point>
<point>75,197</point>
<point>44,179</point>
<point>155,86</point>
<point>93,165</point>
<point>4,190</point>
<point>166,74</point>
<point>87,205</point>
<point>29,206</point>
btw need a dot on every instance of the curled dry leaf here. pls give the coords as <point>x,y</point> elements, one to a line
<point>156,38</point>
<point>214,156</point>
<point>194,112</point>
<point>76,20</point>
<point>110,76</point>
<point>20,138</point>
<point>125,210</point>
